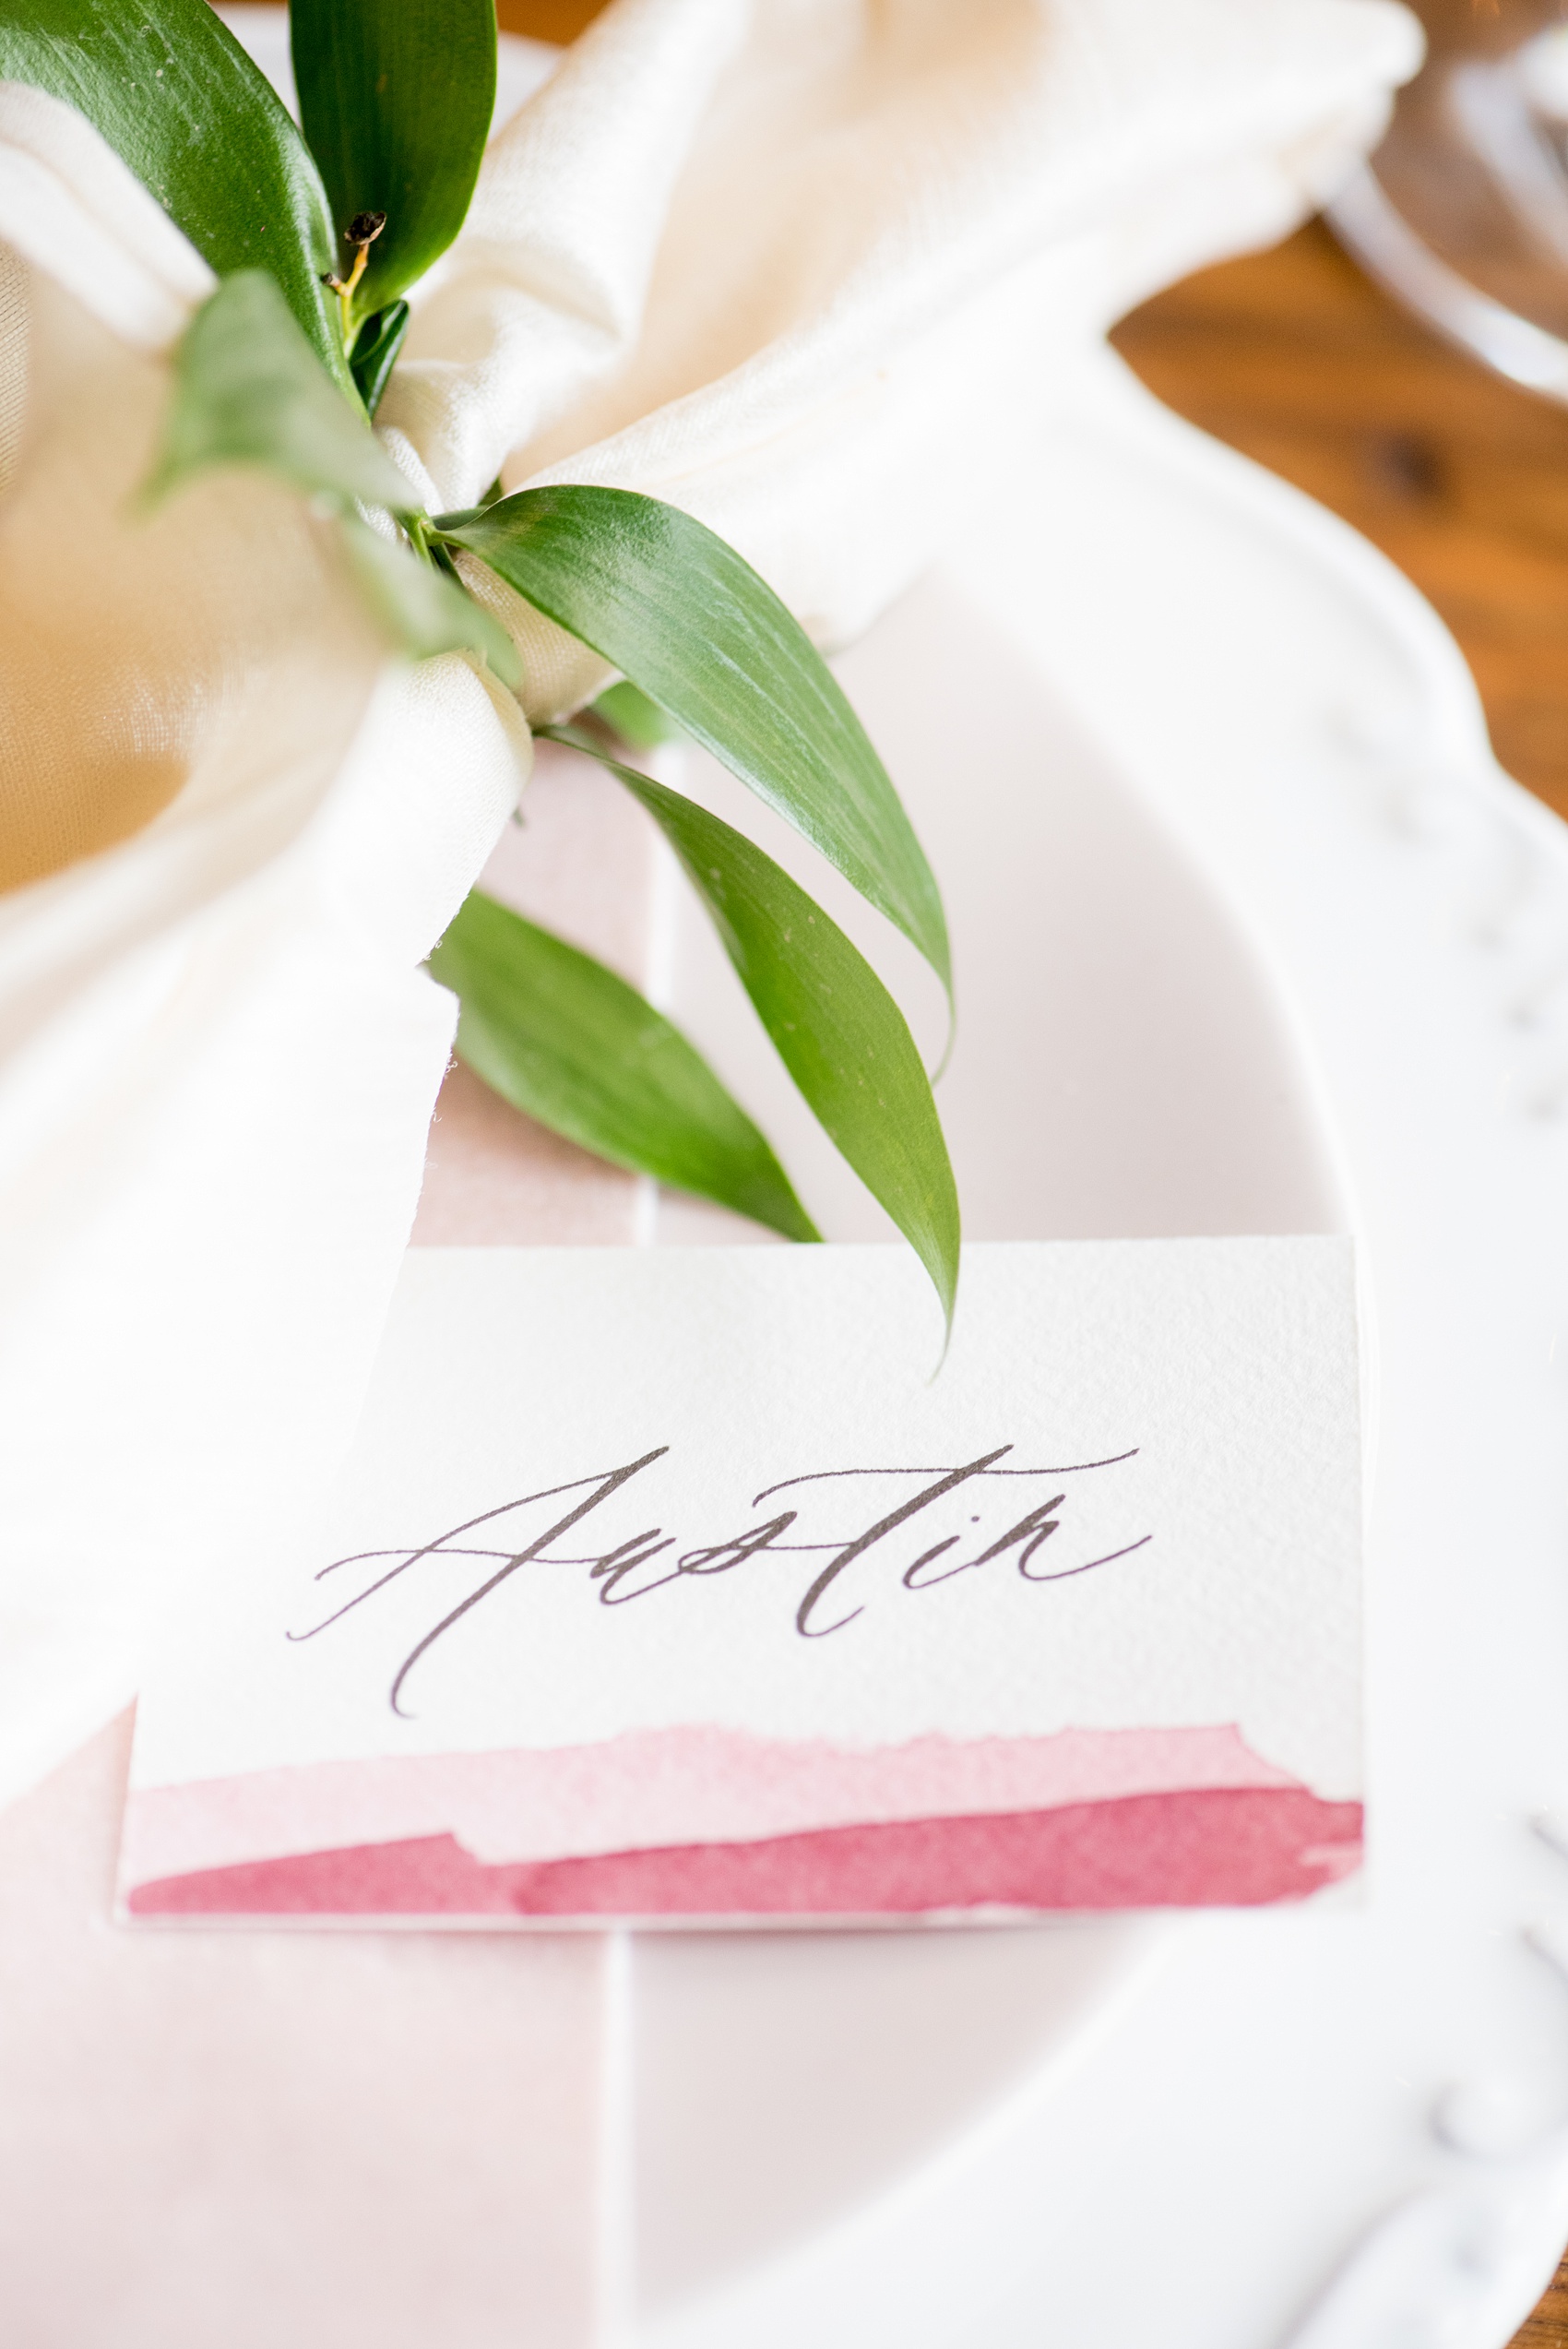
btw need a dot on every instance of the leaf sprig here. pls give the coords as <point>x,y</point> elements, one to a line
<point>316,239</point>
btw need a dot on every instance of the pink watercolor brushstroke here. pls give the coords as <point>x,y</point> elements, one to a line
<point>1207,1847</point>
<point>654,1789</point>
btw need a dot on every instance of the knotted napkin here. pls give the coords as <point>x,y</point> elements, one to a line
<point>805,267</point>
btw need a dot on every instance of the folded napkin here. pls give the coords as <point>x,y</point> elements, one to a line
<point>805,267</point>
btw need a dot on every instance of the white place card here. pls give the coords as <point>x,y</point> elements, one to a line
<point>671,1585</point>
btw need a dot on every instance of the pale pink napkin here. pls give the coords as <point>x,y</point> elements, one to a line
<point>328,2140</point>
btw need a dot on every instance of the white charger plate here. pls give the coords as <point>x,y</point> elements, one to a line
<point>1124,1068</point>
<point>1248,925</point>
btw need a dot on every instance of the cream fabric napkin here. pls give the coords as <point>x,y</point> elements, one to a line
<point>806,267</point>
<point>218,1056</point>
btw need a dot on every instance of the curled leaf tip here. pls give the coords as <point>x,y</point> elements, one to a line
<point>940,1071</point>
<point>569,1043</point>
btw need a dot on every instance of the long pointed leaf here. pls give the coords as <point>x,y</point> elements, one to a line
<point>686,619</point>
<point>248,391</point>
<point>558,1035</point>
<point>396,97</point>
<point>838,1032</point>
<point>627,712</point>
<point>169,86</point>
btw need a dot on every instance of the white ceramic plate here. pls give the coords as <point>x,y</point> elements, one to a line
<point>1231,873</point>
<point>1124,1068</point>
<point>1248,926</point>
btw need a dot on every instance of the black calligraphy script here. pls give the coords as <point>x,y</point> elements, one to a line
<point>867,1554</point>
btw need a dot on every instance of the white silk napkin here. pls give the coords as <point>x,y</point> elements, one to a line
<point>805,267</point>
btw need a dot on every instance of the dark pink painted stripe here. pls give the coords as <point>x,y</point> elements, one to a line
<point>1218,1846</point>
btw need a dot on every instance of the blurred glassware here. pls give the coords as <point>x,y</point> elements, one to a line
<point>1462,211</point>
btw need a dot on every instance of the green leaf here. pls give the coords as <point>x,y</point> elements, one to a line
<point>376,353</point>
<point>837,1030</point>
<point>396,97</point>
<point>683,618</point>
<point>249,390</point>
<point>627,712</point>
<point>558,1035</point>
<point>420,609</point>
<point>173,94</point>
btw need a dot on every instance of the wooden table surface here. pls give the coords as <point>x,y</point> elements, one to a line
<point>1295,359</point>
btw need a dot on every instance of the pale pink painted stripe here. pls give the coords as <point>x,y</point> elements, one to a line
<point>650,1788</point>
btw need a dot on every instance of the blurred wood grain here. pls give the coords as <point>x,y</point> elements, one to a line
<point>546,19</point>
<point>1294,358</point>
<point>1547,2329</point>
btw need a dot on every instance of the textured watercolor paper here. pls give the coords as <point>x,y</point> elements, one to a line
<point>671,1585</point>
